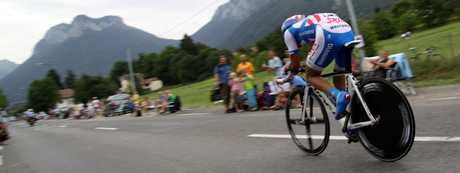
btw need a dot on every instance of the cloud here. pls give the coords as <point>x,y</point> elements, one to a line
<point>25,22</point>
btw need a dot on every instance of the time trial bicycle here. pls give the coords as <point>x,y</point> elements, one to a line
<point>379,116</point>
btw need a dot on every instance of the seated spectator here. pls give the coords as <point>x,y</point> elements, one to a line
<point>382,63</point>
<point>270,93</point>
<point>170,98</point>
<point>296,82</point>
<point>356,68</point>
<point>144,106</point>
<point>161,100</point>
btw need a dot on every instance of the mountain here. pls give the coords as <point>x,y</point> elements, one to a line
<point>87,45</point>
<point>226,20</point>
<point>268,15</point>
<point>6,67</point>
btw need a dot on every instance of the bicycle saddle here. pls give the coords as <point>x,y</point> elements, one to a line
<point>352,43</point>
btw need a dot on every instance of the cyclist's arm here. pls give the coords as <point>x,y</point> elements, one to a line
<point>293,48</point>
<point>295,62</point>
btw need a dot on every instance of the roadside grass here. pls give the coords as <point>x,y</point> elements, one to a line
<point>428,73</point>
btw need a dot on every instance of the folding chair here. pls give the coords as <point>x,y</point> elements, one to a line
<point>401,74</point>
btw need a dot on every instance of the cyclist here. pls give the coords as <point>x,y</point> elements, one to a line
<point>327,33</point>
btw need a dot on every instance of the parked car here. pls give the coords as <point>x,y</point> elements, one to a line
<point>115,104</point>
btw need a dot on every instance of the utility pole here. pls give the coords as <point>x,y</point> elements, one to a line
<point>354,24</point>
<point>130,66</point>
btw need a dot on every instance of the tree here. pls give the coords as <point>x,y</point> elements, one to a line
<point>69,80</point>
<point>367,30</point>
<point>188,46</point>
<point>119,68</point>
<point>88,87</point>
<point>43,94</point>
<point>146,64</point>
<point>401,7</point>
<point>431,12</point>
<point>453,7</point>
<point>53,74</point>
<point>3,100</point>
<point>384,25</point>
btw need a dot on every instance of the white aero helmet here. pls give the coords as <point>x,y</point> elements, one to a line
<point>291,21</point>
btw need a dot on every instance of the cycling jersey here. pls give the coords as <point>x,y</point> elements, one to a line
<point>327,33</point>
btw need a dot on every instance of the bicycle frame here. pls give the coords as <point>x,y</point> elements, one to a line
<point>352,88</point>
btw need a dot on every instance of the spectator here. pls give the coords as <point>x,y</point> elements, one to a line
<point>287,59</point>
<point>4,135</point>
<point>90,108</point>
<point>161,100</point>
<point>76,112</point>
<point>297,82</point>
<point>274,64</point>
<point>235,88</point>
<point>169,99</point>
<point>97,108</point>
<point>245,65</point>
<point>382,63</point>
<point>269,94</point>
<point>136,100</point>
<point>356,68</point>
<point>4,116</point>
<point>145,105</point>
<point>81,108</point>
<point>248,81</point>
<point>221,72</point>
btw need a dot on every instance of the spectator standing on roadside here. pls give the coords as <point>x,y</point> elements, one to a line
<point>221,72</point>
<point>245,65</point>
<point>76,112</point>
<point>248,81</point>
<point>4,116</point>
<point>4,135</point>
<point>235,88</point>
<point>90,108</point>
<point>97,109</point>
<point>274,64</point>
<point>136,101</point>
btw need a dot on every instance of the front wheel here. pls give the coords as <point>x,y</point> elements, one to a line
<point>391,138</point>
<point>310,131</point>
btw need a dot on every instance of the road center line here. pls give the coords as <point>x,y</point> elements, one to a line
<point>418,139</point>
<point>105,128</point>
<point>446,98</point>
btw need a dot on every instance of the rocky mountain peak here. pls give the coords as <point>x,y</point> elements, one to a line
<point>238,9</point>
<point>80,24</point>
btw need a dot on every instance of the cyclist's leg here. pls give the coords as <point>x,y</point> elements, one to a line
<point>319,58</point>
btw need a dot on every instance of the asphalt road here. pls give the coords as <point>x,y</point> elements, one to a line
<point>201,141</point>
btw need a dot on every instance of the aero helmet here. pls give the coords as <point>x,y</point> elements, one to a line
<point>291,21</point>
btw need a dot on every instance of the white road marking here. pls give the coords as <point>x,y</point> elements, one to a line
<point>447,98</point>
<point>62,126</point>
<point>105,128</point>
<point>1,160</point>
<point>192,114</point>
<point>1,147</point>
<point>418,139</point>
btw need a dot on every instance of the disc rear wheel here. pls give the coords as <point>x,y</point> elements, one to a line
<point>391,138</point>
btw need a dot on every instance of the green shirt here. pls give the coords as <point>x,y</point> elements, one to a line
<point>248,82</point>
<point>172,98</point>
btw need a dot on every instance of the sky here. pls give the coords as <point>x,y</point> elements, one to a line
<point>25,22</point>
